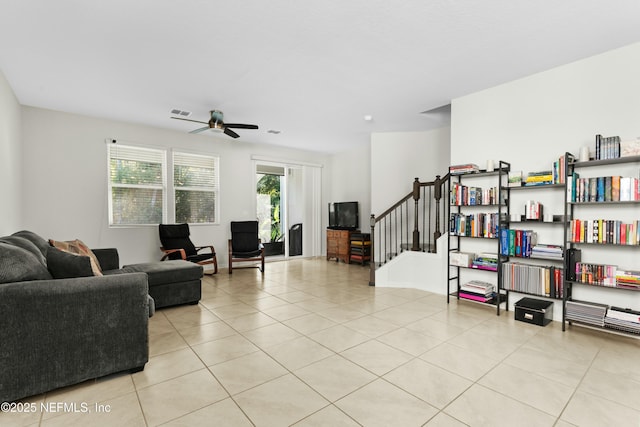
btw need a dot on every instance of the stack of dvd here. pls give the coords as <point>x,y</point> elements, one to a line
<point>623,319</point>
<point>591,313</point>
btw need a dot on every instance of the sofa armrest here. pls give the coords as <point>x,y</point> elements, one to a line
<point>108,258</point>
<point>61,332</point>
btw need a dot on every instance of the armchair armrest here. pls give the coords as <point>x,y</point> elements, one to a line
<point>167,252</point>
<point>199,248</point>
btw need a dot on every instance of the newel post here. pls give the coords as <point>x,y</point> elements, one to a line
<point>372,259</point>
<point>437,196</point>
<point>416,232</point>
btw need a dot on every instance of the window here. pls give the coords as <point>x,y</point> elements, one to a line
<point>195,184</point>
<point>137,185</point>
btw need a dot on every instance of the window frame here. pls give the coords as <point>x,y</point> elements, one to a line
<point>215,189</point>
<point>110,185</point>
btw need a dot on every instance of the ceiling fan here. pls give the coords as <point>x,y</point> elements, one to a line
<point>217,124</point>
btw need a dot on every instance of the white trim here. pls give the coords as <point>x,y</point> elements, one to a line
<point>284,161</point>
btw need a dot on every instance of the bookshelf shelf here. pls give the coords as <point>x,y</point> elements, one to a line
<point>537,187</point>
<point>360,252</point>
<point>605,244</point>
<point>467,224</point>
<point>617,202</point>
<point>473,237</point>
<point>619,288</point>
<point>478,206</point>
<point>616,161</point>
<point>536,275</point>
<point>602,328</point>
<point>536,221</point>
<point>616,231</point>
<point>491,302</point>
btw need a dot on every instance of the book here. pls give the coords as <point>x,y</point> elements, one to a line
<point>462,169</point>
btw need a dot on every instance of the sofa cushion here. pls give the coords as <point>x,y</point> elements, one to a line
<point>18,264</point>
<point>40,242</point>
<point>166,272</point>
<point>25,244</point>
<point>77,247</point>
<point>65,265</point>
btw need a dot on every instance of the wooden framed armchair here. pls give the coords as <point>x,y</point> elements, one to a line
<point>244,244</point>
<point>176,244</point>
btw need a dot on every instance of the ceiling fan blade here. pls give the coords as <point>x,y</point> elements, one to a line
<point>231,133</point>
<point>200,130</point>
<point>240,126</point>
<point>189,120</point>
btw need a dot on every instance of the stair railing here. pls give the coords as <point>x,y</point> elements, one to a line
<point>407,225</point>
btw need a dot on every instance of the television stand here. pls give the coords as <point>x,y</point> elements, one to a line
<point>339,244</point>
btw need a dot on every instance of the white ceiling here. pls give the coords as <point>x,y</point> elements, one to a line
<point>311,70</point>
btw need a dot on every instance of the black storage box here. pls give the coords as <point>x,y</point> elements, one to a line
<point>536,311</point>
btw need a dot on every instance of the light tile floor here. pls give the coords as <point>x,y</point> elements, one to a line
<point>311,344</point>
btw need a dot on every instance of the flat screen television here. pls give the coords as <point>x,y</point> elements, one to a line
<point>344,216</point>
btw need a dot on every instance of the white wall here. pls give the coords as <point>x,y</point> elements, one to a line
<point>350,181</point>
<point>532,121</point>
<point>10,160</point>
<point>397,158</point>
<point>65,180</point>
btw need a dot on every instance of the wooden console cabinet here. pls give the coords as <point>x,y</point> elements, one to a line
<point>339,244</point>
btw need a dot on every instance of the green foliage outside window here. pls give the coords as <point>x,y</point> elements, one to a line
<point>270,185</point>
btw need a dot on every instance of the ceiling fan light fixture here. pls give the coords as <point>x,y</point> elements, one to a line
<point>216,125</point>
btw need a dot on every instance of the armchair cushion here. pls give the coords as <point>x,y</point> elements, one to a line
<point>176,236</point>
<point>244,238</point>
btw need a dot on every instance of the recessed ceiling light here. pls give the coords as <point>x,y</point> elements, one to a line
<point>368,118</point>
<point>182,113</point>
<point>273,131</point>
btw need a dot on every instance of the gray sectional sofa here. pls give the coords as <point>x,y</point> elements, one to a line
<point>58,329</point>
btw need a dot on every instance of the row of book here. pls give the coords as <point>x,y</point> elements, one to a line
<point>602,189</point>
<point>462,195</point>
<point>605,231</point>
<point>559,170</point>
<point>596,274</point>
<point>607,147</point>
<point>533,210</point>
<point>517,243</point>
<point>607,275</point>
<point>556,175</point>
<point>464,168</point>
<point>477,290</point>
<point>485,261</point>
<point>533,279</point>
<point>516,178</point>
<point>547,251</point>
<point>539,178</point>
<point>474,225</point>
<point>628,279</point>
<point>602,315</point>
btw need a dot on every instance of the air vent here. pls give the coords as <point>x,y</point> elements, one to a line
<point>182,113</point>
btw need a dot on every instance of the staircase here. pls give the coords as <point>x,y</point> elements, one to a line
<point>412,225</point>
